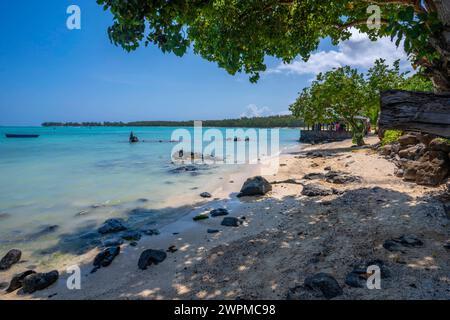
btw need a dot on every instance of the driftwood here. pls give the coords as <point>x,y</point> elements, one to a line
<point>406,110</point>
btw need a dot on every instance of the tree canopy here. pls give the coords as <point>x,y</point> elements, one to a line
<point>344,93</point>
<point>238,35</point>
<point>337,95</point>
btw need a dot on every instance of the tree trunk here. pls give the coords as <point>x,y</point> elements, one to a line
<point>421,111</point>
<point>439,70</point>
<point>443,10</point>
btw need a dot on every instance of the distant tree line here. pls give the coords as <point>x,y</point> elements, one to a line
<point>288,121</point>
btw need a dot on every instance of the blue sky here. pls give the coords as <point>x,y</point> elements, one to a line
<point>50,73</point>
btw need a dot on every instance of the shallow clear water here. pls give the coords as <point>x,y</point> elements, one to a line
<point>76,178</point>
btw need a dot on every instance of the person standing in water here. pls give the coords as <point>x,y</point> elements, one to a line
<point>133,138</point>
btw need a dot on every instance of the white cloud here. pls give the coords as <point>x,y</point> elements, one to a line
<point>252,110</point>
<point>359,51</point>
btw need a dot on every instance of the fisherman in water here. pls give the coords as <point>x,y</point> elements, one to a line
<point>133,138</point>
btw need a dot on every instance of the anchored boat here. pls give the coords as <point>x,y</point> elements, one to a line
<point>11,135</point>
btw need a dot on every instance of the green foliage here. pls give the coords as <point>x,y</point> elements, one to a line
<point>390,136</point>
<point>444,140</point>
<point>344,94</point>
<point>287,121</point>
<point>382,77</point>
<point>417,82</point>
<point>340,94</point>
<point>238,35</point>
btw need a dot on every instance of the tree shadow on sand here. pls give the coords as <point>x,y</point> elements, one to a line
<point>303,236</point>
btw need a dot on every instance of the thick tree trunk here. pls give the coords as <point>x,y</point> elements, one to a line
<point>443,10</point>
<point>439,70</point>
<point>426,112</point>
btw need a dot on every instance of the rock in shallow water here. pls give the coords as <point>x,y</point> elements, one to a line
<point>199,217</point>
<point>39,281</point>
<point>17,280</point>
<point>149,257</point>
<point>12,257</point>
<point>230,222</point>
<point>219,212</point>
<point>255,186</point>
<point>111,226</point>
<point>131,235</point>
<point>44,230</point>
<point>105,258</point>
<point>112,242</point>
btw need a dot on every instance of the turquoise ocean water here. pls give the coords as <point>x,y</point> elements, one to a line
<point>75,178</point>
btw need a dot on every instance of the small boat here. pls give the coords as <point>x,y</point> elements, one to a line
<point>11,135</point>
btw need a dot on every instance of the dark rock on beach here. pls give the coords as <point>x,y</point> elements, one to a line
<point>39,281</point>
<point>255,186</point>
<point>338,177</point>
<point>211,231</point>
<point>105,258</point>
<point>409,240</point>
<point>149,257</point>
<point>357,278</point>
<point>205,195</point>
<point>397,244</point>
<point>392,246</point>
<point>319,286</point>
<point>313,176</point>
<point>314,190</point>
<point>219,212</point>
<point>12,257</point>
<point>17,280</point>
<point>324,282</point>
<point>230,222</point>
<point>112,226</point>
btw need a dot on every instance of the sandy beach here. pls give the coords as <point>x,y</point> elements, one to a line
<point>284,238</point>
